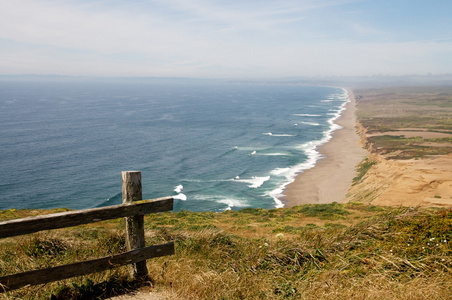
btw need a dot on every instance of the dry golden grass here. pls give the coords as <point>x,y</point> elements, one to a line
<point>330,251</point>
<point>380,258</point>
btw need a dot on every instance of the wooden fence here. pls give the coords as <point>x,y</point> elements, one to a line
<point>133,210</point>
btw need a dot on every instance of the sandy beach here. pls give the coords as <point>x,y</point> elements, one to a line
<point>332,176</point>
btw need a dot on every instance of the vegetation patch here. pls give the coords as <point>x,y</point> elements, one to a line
<point>371,251</point>
<point>88,289</point>
<point>362,169</point>
<point>399,147</point>
<point>332,211</point>
<point>39,247</point>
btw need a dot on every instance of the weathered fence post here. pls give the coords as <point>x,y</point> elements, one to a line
<point>131,191</point>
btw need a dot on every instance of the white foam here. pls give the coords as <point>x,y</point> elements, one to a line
<point>250,149</point>
<point>277,134</point>
<point>276,195</point>
<point>254,182</point>
<point>311,123</point>
<point>230,202</point>
<point>307,115</point>
<point>310,149</point>
<point>180,196</point>
<point>335,126</point>
<point>280,171</point>
<point>178,188</point>
<point>283,134</point>
<point>275,154</point>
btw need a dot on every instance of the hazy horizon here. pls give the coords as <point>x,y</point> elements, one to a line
<point>225,39</point>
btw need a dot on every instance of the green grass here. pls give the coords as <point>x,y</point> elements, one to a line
<point>312,251</point>
<point>333,211</point>
<point>362,169</point>
<point>399,147</point>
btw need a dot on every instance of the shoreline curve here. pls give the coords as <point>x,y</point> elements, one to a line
<point>330,179</point>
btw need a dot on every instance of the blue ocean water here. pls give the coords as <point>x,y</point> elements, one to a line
<point>213,145</point>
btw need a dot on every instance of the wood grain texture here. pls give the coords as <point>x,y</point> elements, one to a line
<point>11,282</point>
<point>80,217</point>
<point>132,192</point>
<point>133,210</point>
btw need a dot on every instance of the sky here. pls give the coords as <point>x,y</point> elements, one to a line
<point>225,38</point>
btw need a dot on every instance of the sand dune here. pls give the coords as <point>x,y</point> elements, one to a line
<point>423,182</point>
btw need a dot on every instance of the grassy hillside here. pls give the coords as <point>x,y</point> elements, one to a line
<point>305,252</point>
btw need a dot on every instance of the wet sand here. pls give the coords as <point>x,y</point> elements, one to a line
<point>329,180</point>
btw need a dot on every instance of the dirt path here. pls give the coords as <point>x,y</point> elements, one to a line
<point>147,294</point>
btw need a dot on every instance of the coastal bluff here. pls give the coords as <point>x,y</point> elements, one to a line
<point>408,133</point>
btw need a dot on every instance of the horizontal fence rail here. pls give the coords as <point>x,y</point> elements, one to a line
<point>80,217</point>
<point>132,210</point>
<point>35,277</point>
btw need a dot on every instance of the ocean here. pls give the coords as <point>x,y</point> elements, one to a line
<point>213,145</point>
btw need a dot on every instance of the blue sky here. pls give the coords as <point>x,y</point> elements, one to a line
<point>225,39</point>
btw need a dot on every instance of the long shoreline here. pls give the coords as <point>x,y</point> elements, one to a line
<point>329,180</point>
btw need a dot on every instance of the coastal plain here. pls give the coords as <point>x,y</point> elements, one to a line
<point>403,134</point>
<point>408,133</point>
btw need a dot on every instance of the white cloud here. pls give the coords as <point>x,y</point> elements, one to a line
<point>202,39</point>
<point>67,27</point>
